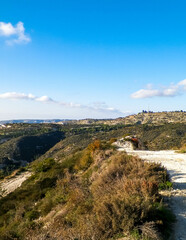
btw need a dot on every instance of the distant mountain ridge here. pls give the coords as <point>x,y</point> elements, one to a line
<point>152,118</point>
<point>33,121</point>
<point>139,118</point>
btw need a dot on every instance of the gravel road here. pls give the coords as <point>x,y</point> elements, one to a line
<point>175,164</point>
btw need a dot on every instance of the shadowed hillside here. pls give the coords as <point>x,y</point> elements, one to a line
<point>22,150</point>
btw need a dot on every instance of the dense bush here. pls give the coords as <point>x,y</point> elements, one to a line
<point>44,166</point>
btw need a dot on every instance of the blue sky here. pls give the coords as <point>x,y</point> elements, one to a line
<point>100,59</point>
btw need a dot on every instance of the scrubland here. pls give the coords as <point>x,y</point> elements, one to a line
<point>95,193</point>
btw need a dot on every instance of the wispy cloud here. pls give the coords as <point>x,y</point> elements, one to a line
<point>14,34</point>
<point>170,91</point>
<point>14,96</point>
<point>99,107</point>
<point>183,84</point>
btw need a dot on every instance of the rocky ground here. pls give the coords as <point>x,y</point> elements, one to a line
<point>8,185</point>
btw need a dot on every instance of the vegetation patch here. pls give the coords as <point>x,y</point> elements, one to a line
<point>94,193</point>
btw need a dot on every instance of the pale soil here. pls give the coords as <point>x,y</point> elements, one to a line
<point>175,164</point>
<point>8,185</point>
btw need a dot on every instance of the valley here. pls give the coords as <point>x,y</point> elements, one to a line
<point>81,181</point>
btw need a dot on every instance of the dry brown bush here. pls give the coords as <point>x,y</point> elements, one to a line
<point>118,199</point>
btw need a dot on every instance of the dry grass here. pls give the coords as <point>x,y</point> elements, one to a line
<point>182,149</point>
<point>122,198</point>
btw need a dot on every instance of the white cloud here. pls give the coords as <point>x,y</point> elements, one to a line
<point>45,99</point>
<point>15,34</point>
<point>14,95</point>
<point>183,84</point>
<point>6,29</point>
<point>145,93</point>
<point>170,91</point>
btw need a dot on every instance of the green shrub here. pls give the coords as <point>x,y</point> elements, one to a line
<point>44,165</point>
<point>32,215</point>
<point>165,185</point>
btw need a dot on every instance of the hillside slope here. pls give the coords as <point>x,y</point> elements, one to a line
<point>64,139</point>
<point>22,150</point>
<point>156,118</point>
<point>96,193</point>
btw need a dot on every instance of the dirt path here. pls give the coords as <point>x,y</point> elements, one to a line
<point>176,166</point>
<point>10,184</point>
